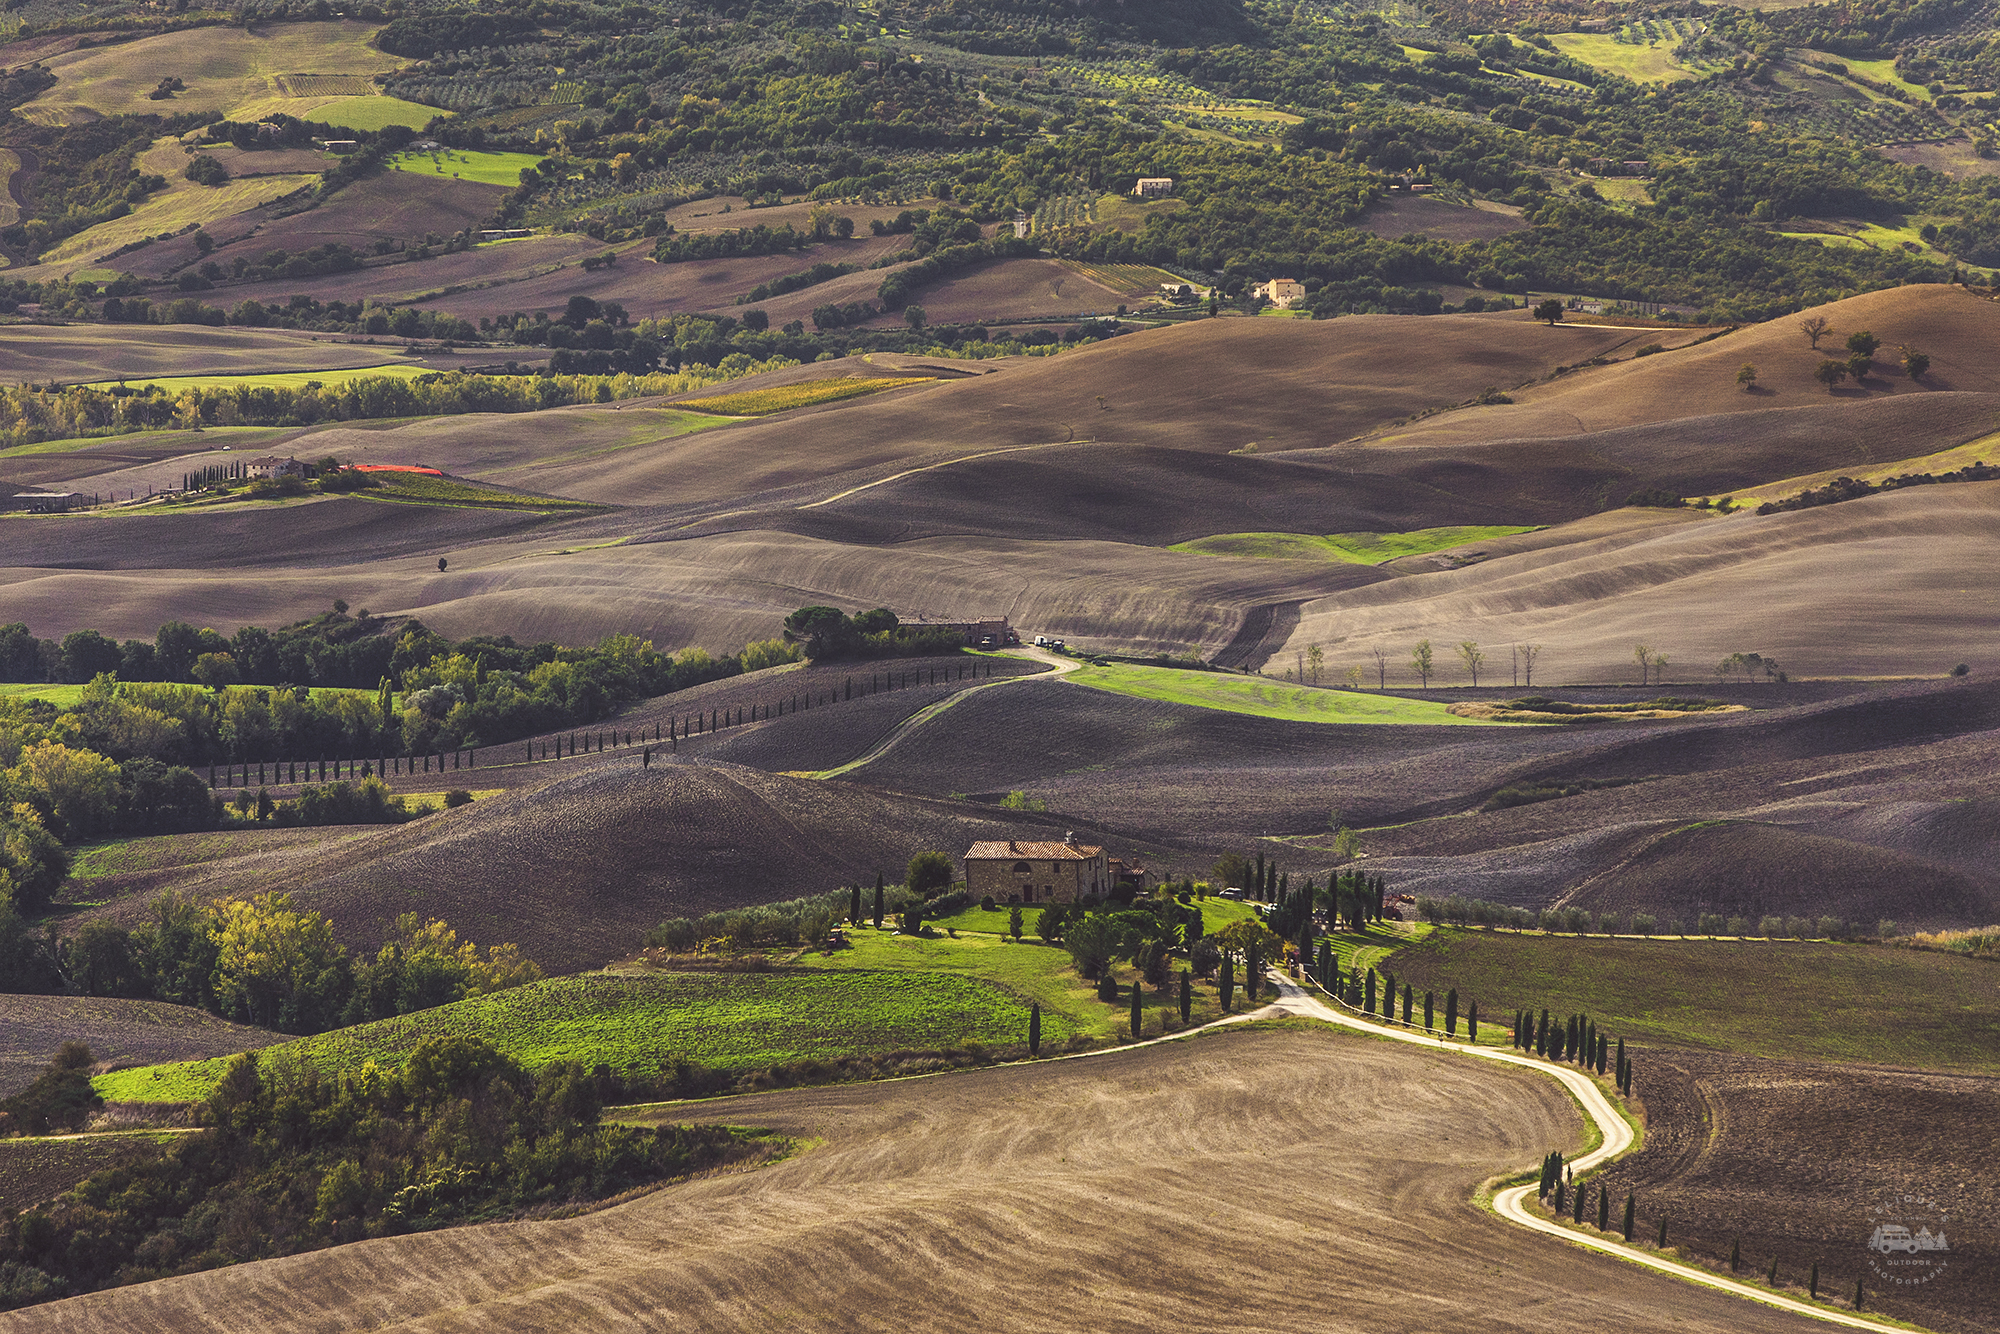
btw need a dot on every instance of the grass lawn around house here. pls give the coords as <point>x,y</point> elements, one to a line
<point>1263,698</point>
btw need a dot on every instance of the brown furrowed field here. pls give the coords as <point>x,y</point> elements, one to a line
<point>1794,1161</point>
<point>1129,1190</point>
<point>119,1033</point>
<point>577,869</point>
<point>1014,290</point>
<point>77,353</point>
<point>1403,215</point>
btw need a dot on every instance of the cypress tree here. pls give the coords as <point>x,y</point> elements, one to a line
<point>854,905</point>
<point>1409,999</point>
<point>1428,998</point>
<point>1369,1003</point>
<point>1542,1035</point>
<point>1603,1208</point>
<point>1187,996</point>
<point>1035,1030</point>
<point>1227,985</point>
<point>1662,1239</point>
<point>1472,1023</point>
<point>1253,973</point>
<point>1772,1277</point>
<point>1135,1007</point>
<point>1857,1294</point>
<point>878,900</point>
<point>1812,1281</point>
<point>1630,1207</point>
<point>1451,1013</point>
<point>1736,1255</point>
<point>1259,888</point>
<point>1562,1201</point>
<point>1582,1193</point>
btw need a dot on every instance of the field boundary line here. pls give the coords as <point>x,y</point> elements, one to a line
<point>1618,1138</point>
<point>932,467</point>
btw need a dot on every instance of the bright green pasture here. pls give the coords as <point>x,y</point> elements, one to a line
<point>277,379</point>
<point>415,488</point>
<point>1641,64</point>
<point>727,1021</point>
<point>63,697</point>
<point>1349,548</point>
<point>1216,913</point>
<point>484,168</point>
<point>1884,71</point>
<point>1263,698</point>
<point>375,113</point>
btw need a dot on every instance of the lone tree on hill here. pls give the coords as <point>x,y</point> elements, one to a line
<point>1863,342</point>
<point>1423,663</point>
<point>1747,377</point>
<point>1529,652</point>
<point>1915,363</point>
<point>1643,655</point>
<point>1830,374</point>
<point>1549,312</point>
<point>1381,667</point>
<point>1814,328</point>
<point>1469,654</point>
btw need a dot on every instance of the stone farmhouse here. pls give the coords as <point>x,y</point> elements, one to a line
<point>1153,187</point>
<point>272,465</point>
<point>1284,293</point>
<point>1025,872</point>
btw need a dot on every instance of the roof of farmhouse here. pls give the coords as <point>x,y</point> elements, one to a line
<point>1048,852</point>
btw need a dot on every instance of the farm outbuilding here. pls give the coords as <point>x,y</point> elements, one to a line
<point>1036,872</point>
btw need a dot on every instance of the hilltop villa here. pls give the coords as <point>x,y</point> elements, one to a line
<point>1284,293</point>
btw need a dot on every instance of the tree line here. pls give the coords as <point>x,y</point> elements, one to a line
<point>457,1132</point>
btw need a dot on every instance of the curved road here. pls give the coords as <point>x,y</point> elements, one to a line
<point>1511,1204</point>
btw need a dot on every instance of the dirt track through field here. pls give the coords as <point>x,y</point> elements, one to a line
<point>1250,1180</point>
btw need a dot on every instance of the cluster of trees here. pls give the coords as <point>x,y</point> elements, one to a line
<point>1848,488</point>
<point>262,960</point>
<point>458,1131</point>
<point>679,247</point>
<point>1373,993</point>
<point>828,633</point>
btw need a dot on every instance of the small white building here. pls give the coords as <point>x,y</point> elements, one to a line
<point>1020,224</point>
<point>1154,187</point>
<point>272,465</point>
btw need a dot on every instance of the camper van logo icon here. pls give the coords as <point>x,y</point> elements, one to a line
<point>1908,1244</point>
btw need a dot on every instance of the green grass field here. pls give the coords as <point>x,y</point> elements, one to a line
<point>410,488</point>
<point>1641,64</point>
<point>484,168</point>
<point>375,113</point>
<point>1348,548</point>
<point>1263,698</point>
<point>726,1021</point>
<point>276,379</point>
<point>1216,913</point>
<point>1812,1000</point>
<point>62,697</point>
<point>226,70</point>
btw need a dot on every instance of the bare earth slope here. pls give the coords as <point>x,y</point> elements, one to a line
<point>1130,1192</point>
